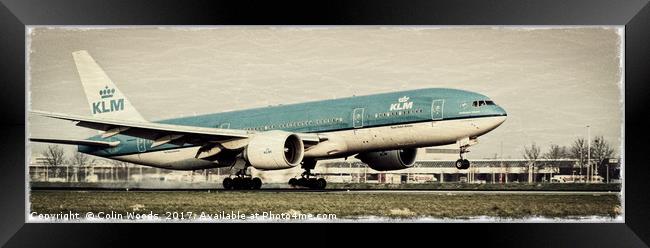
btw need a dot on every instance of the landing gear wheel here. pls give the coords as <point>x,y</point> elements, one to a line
<point>302,182</point>
<point>256,183</point>
<point>237,183</point>
<point>312,183</point>
<point>242,180</point>
<point>462,164</point>
<point>321,183</point>
<point>465,164</point>
<point>227,183</point>
<point>307,179</point>
<point>246,183</point>
<point>459,164</point>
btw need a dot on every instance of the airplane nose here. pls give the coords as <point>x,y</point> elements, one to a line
<point>503,114</point>
<point>502,111</point>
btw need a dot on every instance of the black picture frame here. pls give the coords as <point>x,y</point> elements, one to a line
<point>15,15</point>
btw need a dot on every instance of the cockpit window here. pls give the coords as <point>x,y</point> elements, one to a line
<point>482,103</point>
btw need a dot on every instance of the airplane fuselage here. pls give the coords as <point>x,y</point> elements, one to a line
<point>388,121</point>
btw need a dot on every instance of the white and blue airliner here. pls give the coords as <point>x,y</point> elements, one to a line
<point>382,130</point>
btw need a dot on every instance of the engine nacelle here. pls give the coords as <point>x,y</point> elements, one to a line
<point>274,150</point>
<point>389,160</point>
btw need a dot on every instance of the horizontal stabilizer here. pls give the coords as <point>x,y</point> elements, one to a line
<point>76,142</point>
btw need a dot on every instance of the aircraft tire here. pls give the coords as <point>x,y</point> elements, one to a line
<point>465,163</point>
<point>237,183</point>
<point>322,183</point>
<point>227,183</point>
<point>256,183</point>
<point>312,183</point>
<point>303,182</point>
<point>459,164</point>
<point>246,183</point>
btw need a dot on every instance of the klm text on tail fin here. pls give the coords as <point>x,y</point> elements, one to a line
<point>104,98</point>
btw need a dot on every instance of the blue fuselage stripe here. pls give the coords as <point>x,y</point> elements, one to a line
<point>405,107</point>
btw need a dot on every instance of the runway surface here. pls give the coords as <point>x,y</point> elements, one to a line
<point>342,203</point>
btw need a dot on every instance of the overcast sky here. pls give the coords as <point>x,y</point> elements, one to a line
<point>551,81</point>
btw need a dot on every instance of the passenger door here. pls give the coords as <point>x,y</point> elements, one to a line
<point>357,117</point>
<point>437,109</point>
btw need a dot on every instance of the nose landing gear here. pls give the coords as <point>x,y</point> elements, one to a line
<point>462,163</point>
<point>306,179</point>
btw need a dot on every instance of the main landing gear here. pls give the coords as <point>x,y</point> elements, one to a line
<point>306,179</point>
<point>242,180</point>
<point>462,163</point>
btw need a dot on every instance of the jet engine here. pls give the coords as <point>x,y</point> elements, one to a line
<point>389,160</point>
<point>274,150</point>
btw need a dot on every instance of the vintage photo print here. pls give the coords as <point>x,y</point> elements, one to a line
<point>325,124</point>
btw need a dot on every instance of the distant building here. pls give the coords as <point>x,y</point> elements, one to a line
<point>449,152</point>
<point>425,170</point>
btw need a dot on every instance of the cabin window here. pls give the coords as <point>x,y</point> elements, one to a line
<point>489,102</point>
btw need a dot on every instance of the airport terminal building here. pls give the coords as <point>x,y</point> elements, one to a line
<point>435,165</point>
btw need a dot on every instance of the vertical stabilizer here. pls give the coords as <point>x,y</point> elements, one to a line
<point>104,98</point>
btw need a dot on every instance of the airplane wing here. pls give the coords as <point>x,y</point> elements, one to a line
<point>77,142</point>
<point>162,133</point>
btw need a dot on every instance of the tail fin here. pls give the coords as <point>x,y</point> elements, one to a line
<point>104,98</point>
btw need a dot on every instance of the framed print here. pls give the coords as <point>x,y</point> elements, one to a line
<point>396,113</point>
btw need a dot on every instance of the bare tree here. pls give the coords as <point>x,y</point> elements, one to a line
<point>54,155</point>
<point>601,149</point>
<point>579,151</point>
<point>117,167</point>
<point>79,160</point>
<point>557,152</point>
<point>532,153</point>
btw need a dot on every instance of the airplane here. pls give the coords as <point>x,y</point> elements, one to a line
<point>382,130</point>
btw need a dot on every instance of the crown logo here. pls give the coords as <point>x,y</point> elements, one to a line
<point>404,99</point>
<point>106,92</point>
